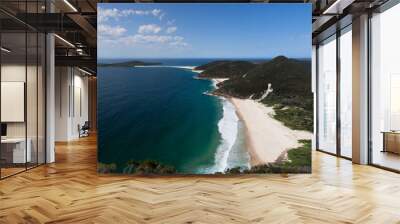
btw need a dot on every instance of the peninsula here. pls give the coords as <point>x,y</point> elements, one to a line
<point>128,64</point>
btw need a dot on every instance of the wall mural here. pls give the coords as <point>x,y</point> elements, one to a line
<point>204,88</point>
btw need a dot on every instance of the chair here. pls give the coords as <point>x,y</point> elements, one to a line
<point>84,130</point>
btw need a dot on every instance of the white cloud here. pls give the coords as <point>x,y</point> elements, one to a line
<point>178,38</point>
<point>179,44</point>
<point>171,29</point>
<point>146,40</point>
<point>161,16</point>
<point>178,41</point>
<point>156,12</point>
<point>149,28</point>
<point>147,35</point>
<point>106,14</point>
<point>170,22</point>
<point>139,38</point>
<point>106,30</point>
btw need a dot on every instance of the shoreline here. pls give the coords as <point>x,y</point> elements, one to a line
<point>254,158</point>
<point>171,66</point>
<point>228,129</point>
<point>267,139</point>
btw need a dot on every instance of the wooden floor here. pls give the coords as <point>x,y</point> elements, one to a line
<point>70,191</point>
<point>5,172</point>
<point>386,159</point>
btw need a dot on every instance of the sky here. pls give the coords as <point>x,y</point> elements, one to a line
<point>198,30</point>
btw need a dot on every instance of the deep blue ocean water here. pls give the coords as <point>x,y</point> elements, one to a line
<point>161,113</point>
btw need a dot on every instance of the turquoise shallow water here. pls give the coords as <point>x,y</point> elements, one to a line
<point>157,113</point>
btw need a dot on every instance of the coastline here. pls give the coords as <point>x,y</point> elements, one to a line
<point>253,154</point>
<point>254,157</point>
<point>171,66</point>
<point>228,129</point>
<point>267,139</point>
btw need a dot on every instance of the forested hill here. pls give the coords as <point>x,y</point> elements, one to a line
<point>287,77</point>
<point>281,82</point>
<point>225,69</point>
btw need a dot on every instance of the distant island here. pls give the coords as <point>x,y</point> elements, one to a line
<point>128,64</point>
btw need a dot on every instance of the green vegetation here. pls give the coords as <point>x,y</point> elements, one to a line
<point>147,167</point>
<point>300,156</point>
<point>144,167</point>
<point>305,101</point>
<point>295,118</point>
<point>106,167</point>
<point>290,80</point>
<point>128,64</point>
<point>225,69</point>
<point>298,161</point>
<point>210,65</point>
<point>295,112</point>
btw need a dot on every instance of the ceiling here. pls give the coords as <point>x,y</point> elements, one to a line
<point>75,21</point>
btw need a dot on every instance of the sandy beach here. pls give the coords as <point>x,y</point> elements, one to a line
<point>267,138</point>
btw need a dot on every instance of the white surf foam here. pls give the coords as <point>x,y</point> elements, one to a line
<point>239,155</point>
<point>214,83</point>
<point>228,128</point>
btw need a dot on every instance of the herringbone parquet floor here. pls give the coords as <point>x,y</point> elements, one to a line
<point>70,191</point>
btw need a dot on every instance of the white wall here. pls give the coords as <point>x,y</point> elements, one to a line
<point>17,73</point>
<point>9,73</point>
<point>69,84</point>
<point>80,89</point>
<point>62,82</point>
<point>33,126</point>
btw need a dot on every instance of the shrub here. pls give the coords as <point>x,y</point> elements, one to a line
<point>299,161</point>
<point>106,168</point>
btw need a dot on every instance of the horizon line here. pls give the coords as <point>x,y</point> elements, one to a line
<point>203,57</point>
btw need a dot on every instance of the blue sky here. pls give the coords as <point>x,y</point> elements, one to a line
<point>203,30</point>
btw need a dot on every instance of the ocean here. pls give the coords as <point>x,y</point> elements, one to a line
<point>162,114</point>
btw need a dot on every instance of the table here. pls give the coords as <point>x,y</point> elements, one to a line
<point>391,141</point>
<point>13,150</point>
